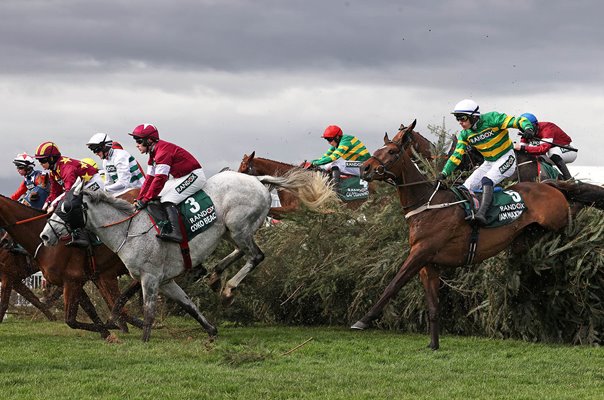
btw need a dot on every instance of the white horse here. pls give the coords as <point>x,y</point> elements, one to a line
<point>242,203</point>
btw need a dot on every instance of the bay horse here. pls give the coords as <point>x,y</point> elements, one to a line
<point>14,268</point>
<point>439,236</point>
<point>68,267</point>
<point>241,203</point>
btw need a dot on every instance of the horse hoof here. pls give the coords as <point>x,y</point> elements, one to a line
<point>212,332</point>
<point>359,326</point>
<point>112,339</point>
<point>214,282</point>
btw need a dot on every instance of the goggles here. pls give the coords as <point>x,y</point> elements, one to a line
<point>462,117</point>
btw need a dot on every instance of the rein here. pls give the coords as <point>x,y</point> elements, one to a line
<point>25,221</point>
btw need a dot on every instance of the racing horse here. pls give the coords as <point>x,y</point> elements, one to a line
<point>68,267</point>
<point>14,268</point>
<point>438,232</point>
<point>241,203</point>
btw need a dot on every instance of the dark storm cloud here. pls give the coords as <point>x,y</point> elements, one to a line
<point>389,42</point>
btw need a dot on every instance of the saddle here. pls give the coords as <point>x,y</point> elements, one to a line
<point>506,207</point>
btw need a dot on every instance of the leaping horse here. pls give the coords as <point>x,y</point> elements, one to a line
<point>438,235</point>
<point>241,202</point>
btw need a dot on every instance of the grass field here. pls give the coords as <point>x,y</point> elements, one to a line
<point>45,360</point>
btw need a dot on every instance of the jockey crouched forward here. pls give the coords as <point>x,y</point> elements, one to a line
<point>343,148</point>
<point>487,133</point>
<point>63,173</point>
<point>34,188</point>
<point>167,159</point>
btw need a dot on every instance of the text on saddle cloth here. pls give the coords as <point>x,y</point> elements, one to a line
<point>506,207</point>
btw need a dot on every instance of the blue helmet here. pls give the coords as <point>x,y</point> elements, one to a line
<point>531,118</point>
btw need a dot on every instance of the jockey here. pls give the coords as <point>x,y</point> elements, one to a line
<point>549,135</point>
<point>63,173</point>
<point>122,172</point>
<point>34,188</point>
<point>487,133</point>
<point>342,148</point>
<point>167,159</point>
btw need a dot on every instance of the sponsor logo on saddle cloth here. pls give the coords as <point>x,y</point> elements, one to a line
<point>507,206</point>
<point>198,213</point>
<point>353,187</point>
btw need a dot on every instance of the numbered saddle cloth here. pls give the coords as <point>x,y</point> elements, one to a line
<point>198,213</point>
<point>352,187</point>
<point>506,207</point>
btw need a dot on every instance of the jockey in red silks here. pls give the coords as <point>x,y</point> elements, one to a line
<point>34,188</point>
<point>549,136</point>
<point>63,172</point>
<point>167,159</point>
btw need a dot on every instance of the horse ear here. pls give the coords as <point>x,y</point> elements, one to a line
<point>252,155</point>
<point>412,126</point>
<point>386,140</point>
<point>77,187</point>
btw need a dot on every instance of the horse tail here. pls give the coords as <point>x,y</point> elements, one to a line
<point>313,189</point>
<point>580,192</point>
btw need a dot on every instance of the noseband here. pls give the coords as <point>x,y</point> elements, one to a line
<point>383,168</point>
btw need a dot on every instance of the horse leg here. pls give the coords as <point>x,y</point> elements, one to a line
<point>109,292</point>
<point>255,257</point>
<point>28,295</point>
<point>175,292</point>
<point>51,294</point>
<point>410,268</point>
<point>214,279</point>
<point>120,302</point>
<point>72,293</point>
<point>430,278</point>
<point>7,287</point>
<point>150,285</point>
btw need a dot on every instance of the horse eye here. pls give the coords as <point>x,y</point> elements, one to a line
<point>392,151</point>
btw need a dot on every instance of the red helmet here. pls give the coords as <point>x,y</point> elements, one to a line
<point>47,149</point>
<point>145,131</point>
<point>332,131</point>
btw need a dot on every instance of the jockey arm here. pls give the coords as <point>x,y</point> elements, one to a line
<point>122,166</point>
<point>155,181</point>
<point>19,192</point>
<point>332,154</point>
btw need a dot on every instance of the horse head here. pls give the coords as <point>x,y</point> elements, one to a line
<point>69,214</point>
<point>385,163</point>
<point>247,164</point>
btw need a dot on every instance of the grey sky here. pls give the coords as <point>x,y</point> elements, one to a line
<point>224,78</point>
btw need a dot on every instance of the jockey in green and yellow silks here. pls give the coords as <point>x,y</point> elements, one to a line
<point>487,133</point>
<point>344,148</point>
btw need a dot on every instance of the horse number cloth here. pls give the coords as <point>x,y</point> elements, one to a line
<point>507,206</point>
<point>198,213</point>
<point>353,187</point>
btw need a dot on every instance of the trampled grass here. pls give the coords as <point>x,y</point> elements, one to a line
<point>45,360</point>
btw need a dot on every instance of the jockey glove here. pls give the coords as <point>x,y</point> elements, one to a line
<point>441,177</point>
<point>140,204</point>
<point>528,134</point>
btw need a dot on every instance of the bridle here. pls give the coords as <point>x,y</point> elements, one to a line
<point>250,170</point>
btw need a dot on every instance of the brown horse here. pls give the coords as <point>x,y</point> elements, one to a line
<point>68,267</point>
<point>439,236</point>
<point>14,268</point>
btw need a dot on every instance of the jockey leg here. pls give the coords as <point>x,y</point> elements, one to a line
<point>79,238</point>
<point>335,177</point>
<point>487,197</point>
<point>174,235</point>
<point>561,166</point>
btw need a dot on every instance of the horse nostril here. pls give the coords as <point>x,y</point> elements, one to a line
<point>44,237</point>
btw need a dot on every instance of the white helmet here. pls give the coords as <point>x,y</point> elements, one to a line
<point>467,106</point>
<point>99,141</point>
<point>24,160</point>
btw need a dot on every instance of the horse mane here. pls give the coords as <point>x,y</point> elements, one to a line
<point>100,196</point>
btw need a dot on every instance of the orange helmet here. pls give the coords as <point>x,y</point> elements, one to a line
<point>332,131</point>
<point>47,149</point>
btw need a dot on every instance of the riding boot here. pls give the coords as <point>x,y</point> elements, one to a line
<point>173,235</point>
<point>561,166</point>
<point>335,177</point>
<point>79,238</point>
<point>487,197</point>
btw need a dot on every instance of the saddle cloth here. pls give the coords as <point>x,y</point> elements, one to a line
<point>506,207</point>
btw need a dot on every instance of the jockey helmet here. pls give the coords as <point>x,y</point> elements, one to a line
<point>24,160</point>
<point>531,118</point>
<point>332,131</point>
<point>468,107</point>
<point>47,150</point>
<point>90,161</point>
<point>145,131</point>
<point>99,142</point>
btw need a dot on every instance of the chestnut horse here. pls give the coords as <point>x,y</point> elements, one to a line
<point>14,268</point>
<point>68,267</point>
<point>439,235</point>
